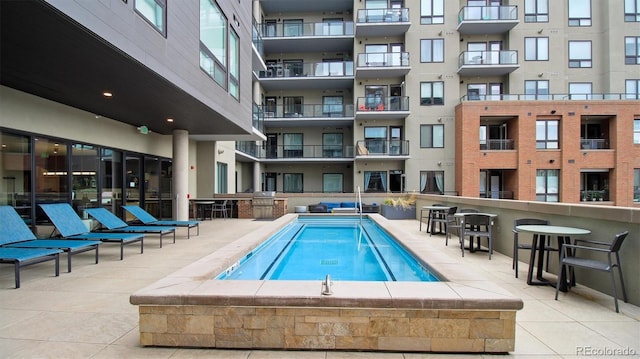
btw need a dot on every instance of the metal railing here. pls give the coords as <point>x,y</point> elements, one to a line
<point>373,16</point>
<point>300,69</point>
<point>309,110</point>
<point>594,144</point>
<point>506,144</point>
<point>483,58</point>
<point>550,97</point>
<point>383,59</point>
<point>305,29</point>
<point>487,13</point>
<point>258,117</point>
<point>377,103</point>
<point>382,147</point>
<point>257,38</point>
<point>263,151</point>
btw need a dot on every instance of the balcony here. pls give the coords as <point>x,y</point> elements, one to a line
<point>310,114</point>
<point>476,20</point>
<point>549,97</point>
<point>334,36</point>
<point>382,65</point>
<point>258,48</point>
<point>300,75</point>
<point>306,153</point>
<point>390,108</point>
<point>382,149</point>
<point>382,22</point>
<point>487,63</point>
<point>497,145</point>
<point>258,118</point>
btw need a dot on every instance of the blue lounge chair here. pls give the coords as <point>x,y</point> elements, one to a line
<point>70,226</point>
<point>22,257</point>
<point>147,219</point>
<point>114,224</point>
<point>14,233</point>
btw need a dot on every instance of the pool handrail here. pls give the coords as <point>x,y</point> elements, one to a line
<point>359,204</point>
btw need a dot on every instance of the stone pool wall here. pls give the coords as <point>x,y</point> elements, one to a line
<point>371,329</point>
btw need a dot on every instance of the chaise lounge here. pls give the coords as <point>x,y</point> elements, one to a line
<point>70,226</point>
<point>113,224</point>
<point>147,219</point>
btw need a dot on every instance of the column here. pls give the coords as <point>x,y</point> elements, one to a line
<point>180,175</point>
<point>256,177</point>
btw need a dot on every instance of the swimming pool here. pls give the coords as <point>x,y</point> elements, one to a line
<point>346,249</point>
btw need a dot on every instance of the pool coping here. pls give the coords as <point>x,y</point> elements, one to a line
<point>463,289</point>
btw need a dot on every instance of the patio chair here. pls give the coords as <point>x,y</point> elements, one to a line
<point>219,208</point>
<point>70,226</point>
<point>14,233</point>
<point>527,246</point>
<point>570,258</point>
<point>447,220</point>
<point>476,226</point>
<point>147,219</point>
<point>113,224</point>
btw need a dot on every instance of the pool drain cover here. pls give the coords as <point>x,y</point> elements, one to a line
<point>328,262</point>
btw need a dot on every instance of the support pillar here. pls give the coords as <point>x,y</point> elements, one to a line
<point>180,175</point>
<point>256,177</point>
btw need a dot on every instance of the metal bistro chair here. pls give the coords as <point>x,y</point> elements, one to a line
<point>219,208</point>
<point>477,226</point>
<point>429,215</point>
<point>447,220</point>
<point>569,259</point>
<point>517,245</point>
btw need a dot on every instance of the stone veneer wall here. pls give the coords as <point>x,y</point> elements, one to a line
<point>245,208</point>
<point>379,329</point>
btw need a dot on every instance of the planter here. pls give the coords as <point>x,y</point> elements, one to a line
<point>398,212</point>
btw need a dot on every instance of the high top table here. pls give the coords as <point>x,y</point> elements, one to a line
<point>563,234</point>
<point>432,212</point>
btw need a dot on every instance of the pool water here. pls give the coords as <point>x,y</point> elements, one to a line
<point>311,248</point>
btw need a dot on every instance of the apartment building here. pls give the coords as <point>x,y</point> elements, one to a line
<point>438,96</point>
<point>109,102</point>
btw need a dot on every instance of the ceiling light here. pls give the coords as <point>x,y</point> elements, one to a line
<point>107,94</point>
<point>169,119</point>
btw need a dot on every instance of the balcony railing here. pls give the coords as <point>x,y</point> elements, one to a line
<point>594,195</point>
<point>504,57</point>
<point>382,147</point>
<point>309,110</point>
<point>306,151</point>
<point>372,16</point>
<point>376,103</point>
<point>258,118</point>
<point>549,97</point>
<point>248,147</point>
<point>506,144</point>
<point>333,28</point>
<point>487,13</point>
<point>594,144</point>
<point>257,38</point>
<point>383,59</point>
<point>318,69</point>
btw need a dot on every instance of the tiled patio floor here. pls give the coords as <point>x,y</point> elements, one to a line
<point>86,313</point>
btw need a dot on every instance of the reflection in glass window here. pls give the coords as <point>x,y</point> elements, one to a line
<point>536,10</point>
<point>547,185</point>
<point>579,12</point>
<point>431,93</point>
<point>213,41</point>
<point>51,181</point>
<point>375,181</point>
<point>292,182</point>
<point>15,189</point>
<point>636,131</point>
<point>84,177</point>
<point>547,134</point>
<point>632,50</point>
<point>332,182</point>
<point>432,50</point>
<point>234,65</point>
<point>536,89</point>
<point>431,12</point>
<point>580,90</point>
<point>632,89</point>
<point>632,10</point>
<point>579,53</point>
<point>536,48</point>
<point>431,136</point>
<point>154,11</point>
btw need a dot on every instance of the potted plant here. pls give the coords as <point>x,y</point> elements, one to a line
<point>399,208</point>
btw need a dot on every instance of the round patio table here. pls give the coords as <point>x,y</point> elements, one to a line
<point>563,234</point>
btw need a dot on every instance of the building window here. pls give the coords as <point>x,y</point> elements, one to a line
<point>536,48</point>
<point>213,42</point>
<point>332,145</point>
<point>536,10</point>
<point>292,182</point>
<point>431,136</point>
<point>579,54</point>
<point>431,93</point>
<point>547,185</point>
<point>292,145</point>
<point>432,182</point>
<point>222,180</point>
<point>579,12</point>
<point>332,182</point>
<point>375,139</point>
<point>431,12</point>
<point>636,131</point>
<point>632,10</point>
<point>632,50</point>
<point>234,65</point>
<point>636,185</point>
<point>375,181</point>
<point>155,12</point>
<point>580,90</point>
<point>432,50</point>
<point>536,89</point>
<point>547,136</point>
<point>632,89</point>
